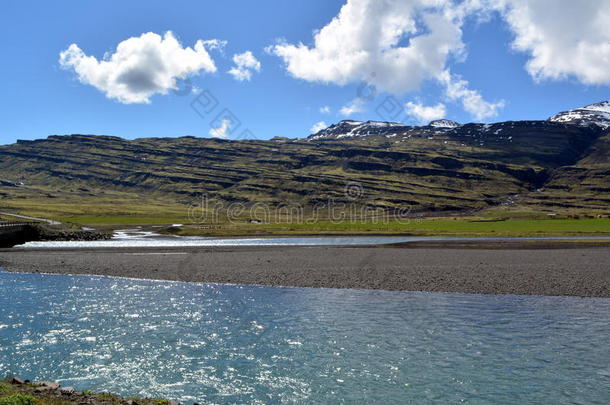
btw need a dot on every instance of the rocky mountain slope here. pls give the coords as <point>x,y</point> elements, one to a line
<point>559,163</point>
<point>591,115</point>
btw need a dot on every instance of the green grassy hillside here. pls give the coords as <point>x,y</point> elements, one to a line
<point>515,166</point>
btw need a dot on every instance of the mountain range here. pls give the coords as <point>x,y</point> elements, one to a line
<point>562,163</point>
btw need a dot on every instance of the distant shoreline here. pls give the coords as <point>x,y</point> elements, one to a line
<point>524,268</point>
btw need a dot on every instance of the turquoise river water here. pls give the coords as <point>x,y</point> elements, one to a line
<point>250,344</point>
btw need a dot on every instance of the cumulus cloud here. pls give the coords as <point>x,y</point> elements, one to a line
<point>140,66</point>
<point>355,106</point>
<point>392,44</point>
<point>564,38</point>
<point>245,64</point>
<point>456,89</point>
<point>396,45</point>
<point>425,114</point>
<point>318,126</point>
<point>325,109</point>
<point>222,130</point>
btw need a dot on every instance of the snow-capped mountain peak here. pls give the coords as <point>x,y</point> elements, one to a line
<point>349,128</point>
<point>594,114</point>
<point>604,106</point>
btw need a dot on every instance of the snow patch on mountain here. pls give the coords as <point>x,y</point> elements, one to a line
<point>444,124</point>
<point>349,128</point>
<point>594,114</point>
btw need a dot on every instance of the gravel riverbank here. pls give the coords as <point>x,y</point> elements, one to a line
<point>534,269</point>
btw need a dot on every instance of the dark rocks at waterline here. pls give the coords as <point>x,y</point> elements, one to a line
<point>29,233</point>
<point>48,233</point>
<point>52,392</point>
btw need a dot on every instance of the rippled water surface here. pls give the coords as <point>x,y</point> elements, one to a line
<point>249,344</point>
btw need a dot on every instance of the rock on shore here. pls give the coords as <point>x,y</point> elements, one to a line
<point>21,391</point>
<point>47,233</point>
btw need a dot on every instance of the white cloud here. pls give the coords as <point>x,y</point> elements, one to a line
<point>245,64</point>
<point>221,131</point>
<point>457,89</point>
<point>215,44</point>
<point>325,109</point>
<point>565,38</point>
<point>355,106</point>
<point>392,44</point>
<point>140,66</point>
<point>318,126</point>
<point>395,45</point>
<point>425,114</point>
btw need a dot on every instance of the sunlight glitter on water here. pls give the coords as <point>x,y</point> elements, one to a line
<point>248,344</point>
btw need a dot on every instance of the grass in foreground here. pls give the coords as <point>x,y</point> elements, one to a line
<point>33,394</point>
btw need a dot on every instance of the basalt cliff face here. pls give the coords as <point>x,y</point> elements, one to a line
<point>562,162</point>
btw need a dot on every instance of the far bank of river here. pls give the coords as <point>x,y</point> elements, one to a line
<point>577,267</point>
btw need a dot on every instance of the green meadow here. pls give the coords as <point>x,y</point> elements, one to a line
<point>117,210</point>
<point>426,227</point>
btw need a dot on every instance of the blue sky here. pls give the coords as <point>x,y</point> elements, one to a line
<point>284,97</point>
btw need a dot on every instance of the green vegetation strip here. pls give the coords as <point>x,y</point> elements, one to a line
<point>457,227</point>
<point>12,393</point>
